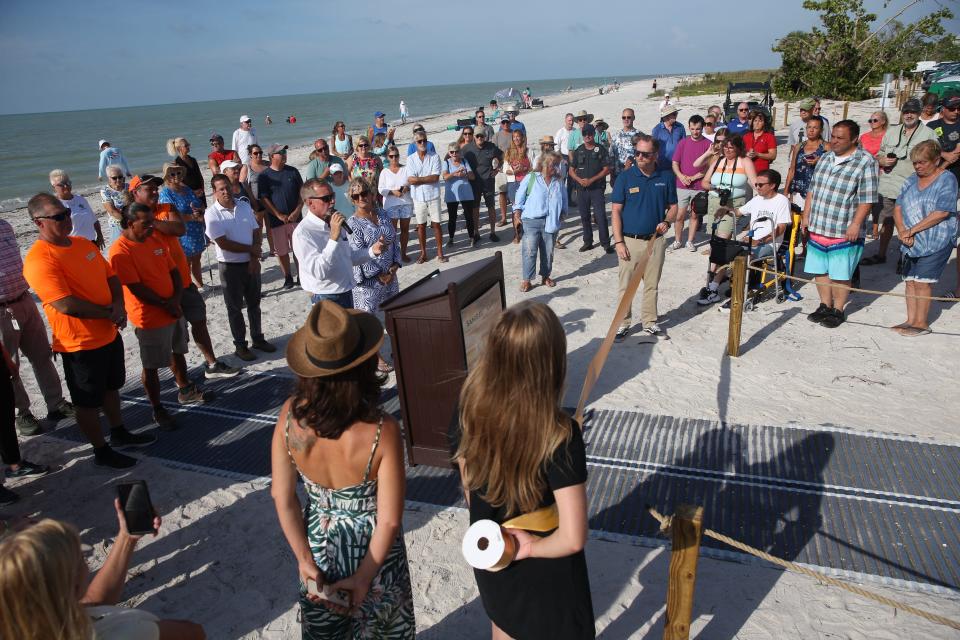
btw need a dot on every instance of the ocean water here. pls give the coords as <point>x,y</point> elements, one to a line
<point>40,142</point>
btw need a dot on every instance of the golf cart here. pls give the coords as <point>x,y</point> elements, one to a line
<point>765,103</point>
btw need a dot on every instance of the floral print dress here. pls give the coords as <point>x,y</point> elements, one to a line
<point>194,241</point>
<point>340,524</point>
<point>370,292</point>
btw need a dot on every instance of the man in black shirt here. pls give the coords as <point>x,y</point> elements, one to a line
<point>279,187</point>
<point>589,166</point>
<point>484,158</point>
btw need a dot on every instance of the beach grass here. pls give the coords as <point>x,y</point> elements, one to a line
<point>716,83</point>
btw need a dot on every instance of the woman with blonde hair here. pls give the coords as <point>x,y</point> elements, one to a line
<point>179,150</point>
<point>174,192</point>
<point>527,459</point>
<point>43,590</point>
<point>365,164</point>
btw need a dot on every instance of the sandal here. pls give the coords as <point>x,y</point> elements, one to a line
<point>525,286</point>
<point>384,367</point>
<point>872,260</point>
<point>913,332</point>
<point>442,259</point>
<point>422,259</point>
<point>549,282</point>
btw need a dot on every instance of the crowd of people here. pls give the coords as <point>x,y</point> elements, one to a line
<point>340,230</point>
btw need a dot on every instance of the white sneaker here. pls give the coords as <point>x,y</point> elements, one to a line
<point>653,329</point>
<point>690,247</point>
<point>676,245</point>
<point>712,296</point>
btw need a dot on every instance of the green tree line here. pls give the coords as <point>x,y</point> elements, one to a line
<point>846,55</point>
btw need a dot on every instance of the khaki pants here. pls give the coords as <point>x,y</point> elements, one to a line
<point>651,277</point>
<point>30,340</point>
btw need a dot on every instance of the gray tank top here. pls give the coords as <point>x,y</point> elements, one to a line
<point>252,176</point>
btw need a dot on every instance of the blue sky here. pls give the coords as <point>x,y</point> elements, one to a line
<point>76,54</point>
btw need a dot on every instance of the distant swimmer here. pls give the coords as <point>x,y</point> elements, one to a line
<point>291,119</point>
<point>268,119</point>
<point>110,155</point>
<point>403,112</point>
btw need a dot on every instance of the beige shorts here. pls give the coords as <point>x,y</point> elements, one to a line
<point>283,238</point>
<point>428,211</point>
<point>726,224</point>
<point>159,344</point>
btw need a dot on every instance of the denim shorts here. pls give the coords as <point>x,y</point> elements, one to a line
<point>927,269</point>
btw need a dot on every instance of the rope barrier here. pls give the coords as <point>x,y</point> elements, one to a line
<point>786,564</point>
<point>849,288</point>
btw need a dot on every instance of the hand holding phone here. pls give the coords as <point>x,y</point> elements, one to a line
<point>135,510</point>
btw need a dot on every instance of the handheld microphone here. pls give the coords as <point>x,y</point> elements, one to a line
<point>345,226</point>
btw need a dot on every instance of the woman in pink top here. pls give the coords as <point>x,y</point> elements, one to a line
<point>870,142</point>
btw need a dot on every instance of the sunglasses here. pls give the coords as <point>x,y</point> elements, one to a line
<point>360,196</point>
<point>362,146</point>
<point>468,133</point>
<point>421,141</point>
<point>646,154</point>
<point>743,110</point>
<point>257,153</point>
<point>452,151</point>
<point>872,120</point>
<point>480,135</point>
<point>57,217</point>
<point>627,117</point>
<point>709,123</point>
<point>393,155</point>
<point>420,130</point>
<point>761,184</point>
<point>214,143</point>
<point>330,197</point>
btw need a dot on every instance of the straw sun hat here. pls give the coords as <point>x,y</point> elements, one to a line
<point>333,340</point>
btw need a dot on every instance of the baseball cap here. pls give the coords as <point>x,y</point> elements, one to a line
<point>229,164</point>
<point>146,178</point>
<point>245,118</point>
<point>951,100</point>
<point>807,105</point>
<point>101,143</point>
<point>276,148</point>
<point>335,168</point>
<point>588,130</point>
<point>379,114</point>
<point>216,136</point>
<point>911,106</point>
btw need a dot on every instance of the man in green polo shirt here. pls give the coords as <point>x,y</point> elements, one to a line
<point>644,205</point>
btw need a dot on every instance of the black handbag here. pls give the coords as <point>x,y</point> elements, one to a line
<point>724,250</point>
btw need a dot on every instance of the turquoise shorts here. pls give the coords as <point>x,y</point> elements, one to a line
<point>837,261</point>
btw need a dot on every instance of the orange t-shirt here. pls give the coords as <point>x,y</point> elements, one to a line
<point>149,263</point>
<point>54,273</point>
<point>162,212</point>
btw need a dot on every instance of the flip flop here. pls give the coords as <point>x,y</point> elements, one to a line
<point>525,286</point>
<point>898,327</point>
<point>913,332</point>
<point>442,259</point>
<point>422,259</point>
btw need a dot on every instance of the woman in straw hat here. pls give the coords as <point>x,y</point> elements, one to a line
<point>519,463</point>
<point>175,192</point>
<point>348,540</point>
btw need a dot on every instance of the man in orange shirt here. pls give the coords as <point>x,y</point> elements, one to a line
<point>168,227</point>
<point>152,288</point>
<point>83,301</point>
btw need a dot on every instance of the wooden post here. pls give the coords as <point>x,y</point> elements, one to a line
<point>846,107</point>
<point>773,117</point>
<point>738,282</point>
<point>786,111</point>
<point>685,531</point>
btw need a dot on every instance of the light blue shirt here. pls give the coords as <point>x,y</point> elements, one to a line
<point>544,201</point>
<point>111,156</point>
<point>916,205</point>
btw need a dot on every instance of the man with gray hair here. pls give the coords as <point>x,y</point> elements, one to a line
<point>243,137</point>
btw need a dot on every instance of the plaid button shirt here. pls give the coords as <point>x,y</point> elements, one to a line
<point>12,283</point>
<point>838,189</point>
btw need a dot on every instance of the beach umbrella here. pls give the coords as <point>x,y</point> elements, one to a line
<point>505,94</point>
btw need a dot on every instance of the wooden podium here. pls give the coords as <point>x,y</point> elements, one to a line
<point>437,327</point>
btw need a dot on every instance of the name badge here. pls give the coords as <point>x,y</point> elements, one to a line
<point>634,189</point>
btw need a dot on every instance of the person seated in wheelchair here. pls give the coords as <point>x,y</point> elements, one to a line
<point>770,218</point>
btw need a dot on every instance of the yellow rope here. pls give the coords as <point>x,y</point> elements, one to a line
<point>786,564</point>
<point>848,288</point>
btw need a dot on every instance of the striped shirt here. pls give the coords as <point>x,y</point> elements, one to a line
<point>12,283</point>
<point>839,186</point>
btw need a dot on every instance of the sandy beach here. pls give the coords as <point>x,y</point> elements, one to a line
<point>221,559</point>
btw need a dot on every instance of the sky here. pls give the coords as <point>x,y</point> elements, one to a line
<point>78,54</point>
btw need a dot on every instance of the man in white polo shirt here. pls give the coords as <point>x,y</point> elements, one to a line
<point>326,259</point>
<point>423,169</point>
<point>236,234</point>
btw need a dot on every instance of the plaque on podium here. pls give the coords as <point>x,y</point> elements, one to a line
<point>437,327</point>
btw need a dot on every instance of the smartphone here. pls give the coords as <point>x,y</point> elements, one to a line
<point>137,508</point>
